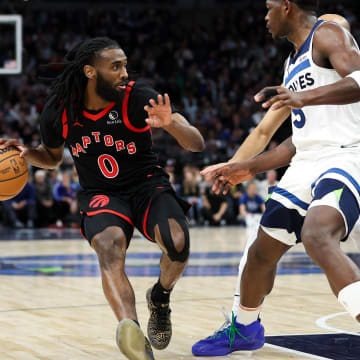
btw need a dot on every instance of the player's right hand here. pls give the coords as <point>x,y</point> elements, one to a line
<point>4,143</point>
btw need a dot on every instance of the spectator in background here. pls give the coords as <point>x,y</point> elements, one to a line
<point>236,192</point>
<point>266,186</point>
<point>64,193</point>
<point>170,170</point>
<point>251,207</point>
<point>190,191</point>
<point>44,199</point>
<point>21,208</point>
<point>190,107</point>
<point>215,207</point>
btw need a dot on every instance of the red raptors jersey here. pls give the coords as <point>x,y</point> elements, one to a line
<point>112,148</point>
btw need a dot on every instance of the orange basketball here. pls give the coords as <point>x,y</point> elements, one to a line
<point>13,173</point>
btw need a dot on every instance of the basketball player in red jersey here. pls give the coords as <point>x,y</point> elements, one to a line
<point>105,121</point>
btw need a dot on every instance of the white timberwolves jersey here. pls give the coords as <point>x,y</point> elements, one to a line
<point>322,129</point>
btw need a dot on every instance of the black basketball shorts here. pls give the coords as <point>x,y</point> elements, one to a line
<point>141,208</point>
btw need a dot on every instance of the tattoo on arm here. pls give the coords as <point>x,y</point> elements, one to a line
<point>290,146</point>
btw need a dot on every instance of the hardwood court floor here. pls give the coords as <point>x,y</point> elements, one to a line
<point>47,316</point>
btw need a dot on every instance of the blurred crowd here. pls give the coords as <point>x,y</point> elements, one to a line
<point>211,68</point>
<point>49,199</point>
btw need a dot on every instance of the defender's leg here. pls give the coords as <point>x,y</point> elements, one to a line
<point>332,215</point>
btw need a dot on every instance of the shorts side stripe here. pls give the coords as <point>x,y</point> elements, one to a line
<point>295,200</point>
<point>145,222</point>
<point>340,172</point>
<point>278,216</point>
<point>92,213</point>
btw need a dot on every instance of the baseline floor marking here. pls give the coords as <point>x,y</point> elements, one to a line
<point>321,322</point>
<point>284,349</point>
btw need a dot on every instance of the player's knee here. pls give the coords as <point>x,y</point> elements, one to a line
<point>110,246</point>
<point>258,257</point>
<point>314,239</point>
<point>176,239</point>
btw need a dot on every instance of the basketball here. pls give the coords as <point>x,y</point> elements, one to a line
<point>13,173</point>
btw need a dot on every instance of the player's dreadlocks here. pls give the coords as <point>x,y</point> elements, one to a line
<point>67,91</point>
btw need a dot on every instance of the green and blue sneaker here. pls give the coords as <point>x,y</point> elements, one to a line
<point>234,337</point>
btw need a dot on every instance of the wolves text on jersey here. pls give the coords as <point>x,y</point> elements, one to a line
<point>302,82</point>
<point>107,140</point>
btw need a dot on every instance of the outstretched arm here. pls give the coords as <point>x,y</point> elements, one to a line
<point>159,115</point>
<point>236,173</point>
<point>260,137</point>
<point>257,141</point>
<point>333,45</point>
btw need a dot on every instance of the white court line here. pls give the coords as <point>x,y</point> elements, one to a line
<point>284,349</point>
<point>321,322</point>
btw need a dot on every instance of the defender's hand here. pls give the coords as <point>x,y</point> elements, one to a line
<point>231,174</point>
<point>284,97</point>
<point>159,113</point>
<point>210,171</point>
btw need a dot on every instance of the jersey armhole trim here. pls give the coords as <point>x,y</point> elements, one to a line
<point>65,125</point>
<point>311,58</point>
<point>125,113</point>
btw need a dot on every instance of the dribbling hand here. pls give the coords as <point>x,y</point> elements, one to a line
<point>4,143</point>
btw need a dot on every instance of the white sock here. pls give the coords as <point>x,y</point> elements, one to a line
<point>349,297</point>
<point>236,303</point>
<point>246,315</point>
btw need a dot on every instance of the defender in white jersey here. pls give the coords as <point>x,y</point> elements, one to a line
<point>318,199</point>
<point>327,142</point>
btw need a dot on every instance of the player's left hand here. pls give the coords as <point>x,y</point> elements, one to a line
<point>159,112</point>
<point>284,97</point>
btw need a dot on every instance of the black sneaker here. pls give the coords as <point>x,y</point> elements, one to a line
<point>159,325</point>
<point>132,342</point>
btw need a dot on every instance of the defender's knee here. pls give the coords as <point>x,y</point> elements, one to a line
<point>110,246</point>
<point>174,237</point>
<point>260,258</point>
<point>315,240</point>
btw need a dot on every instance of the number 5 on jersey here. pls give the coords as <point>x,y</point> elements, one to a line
<point>300,119</point>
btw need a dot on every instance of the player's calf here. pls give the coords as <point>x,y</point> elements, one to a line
<point>173,237</point>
